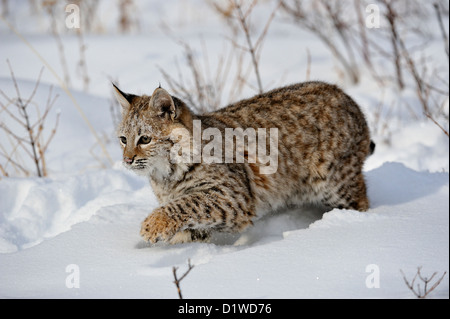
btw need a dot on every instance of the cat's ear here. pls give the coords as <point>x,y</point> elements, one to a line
<point>163,103</point>
<point>124,99</point>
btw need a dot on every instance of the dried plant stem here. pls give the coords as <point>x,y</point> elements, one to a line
<point>334,11</point>
<point>31,138</point>
<point>363,35</point>
<point>65,88</point>
<point>441,26</point>
<point>32,143</point>
<point>50,6</point>
<point>251,48</point>
<point>426,281</point>
<point>23,111</point>
<point>313,22</point>
<point>392,17</point>
<point>204,89</point>
<point>422,91</point>
<point>178,280</point>
<point>125,19</point>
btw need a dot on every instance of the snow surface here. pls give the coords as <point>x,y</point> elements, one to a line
<point>88,212</point>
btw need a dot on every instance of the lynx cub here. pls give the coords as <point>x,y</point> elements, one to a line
<point>322,143</point>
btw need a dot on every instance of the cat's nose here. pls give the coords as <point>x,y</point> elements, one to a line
<point>128,160</point>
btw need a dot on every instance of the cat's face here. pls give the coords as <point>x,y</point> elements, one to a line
<point>145,131</point>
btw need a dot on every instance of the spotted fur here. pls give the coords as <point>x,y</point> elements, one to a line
<point>323,141</point>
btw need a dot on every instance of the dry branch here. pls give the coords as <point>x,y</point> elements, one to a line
<point>50,7</point>
<point>204,89</point>
<point>438,125</point>
<point>314,20</point>
<point>392,18</point>
<point>178,280</point>
<point>417,290</point>
<point>253,48</point>
<point>437,9</point>
<point>31,142</point>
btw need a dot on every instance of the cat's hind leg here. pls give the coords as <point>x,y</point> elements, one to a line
<point>348,193</point>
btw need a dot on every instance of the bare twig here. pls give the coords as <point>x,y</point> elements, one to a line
<point>308,65</point>
<point>425,280</point>
<point>242,19</point>
<point>126,21</point>
<point>421,91</point>
<point>178,280</point>
<point>362,34</point>
<point>63,86</point>
<point>392,18</point>
<point>88,14</point>
<point>435,122</point>
<point>208,88</point>
<point>50,6</point>
<point>441,26</point>
<point>314,23</point>
<point>335,14</point>
<point>204,89</point>
<point>31,142</point>
<point>23,110</point>
<point>253,49</point>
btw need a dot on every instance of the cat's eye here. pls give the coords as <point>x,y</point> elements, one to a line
<point>144,140</point>
<point>123,139</point>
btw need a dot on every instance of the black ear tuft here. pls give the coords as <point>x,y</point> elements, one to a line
<point>124,99</point>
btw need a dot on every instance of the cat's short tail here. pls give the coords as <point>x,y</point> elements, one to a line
<point>372,147</point>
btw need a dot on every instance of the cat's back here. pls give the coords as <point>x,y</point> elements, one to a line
<point>287,105</point>
<point>322,141</point>
<point>310,112</point>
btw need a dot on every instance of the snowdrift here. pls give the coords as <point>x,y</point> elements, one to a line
<point>92,221</point>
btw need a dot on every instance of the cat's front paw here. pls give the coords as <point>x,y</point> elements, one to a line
<point>158,226</point>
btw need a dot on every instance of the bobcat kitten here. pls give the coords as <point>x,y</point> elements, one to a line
<point>323,141</point>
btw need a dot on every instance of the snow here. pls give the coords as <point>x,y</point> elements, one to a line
<point>295,254</point>
<point>87,213</point>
